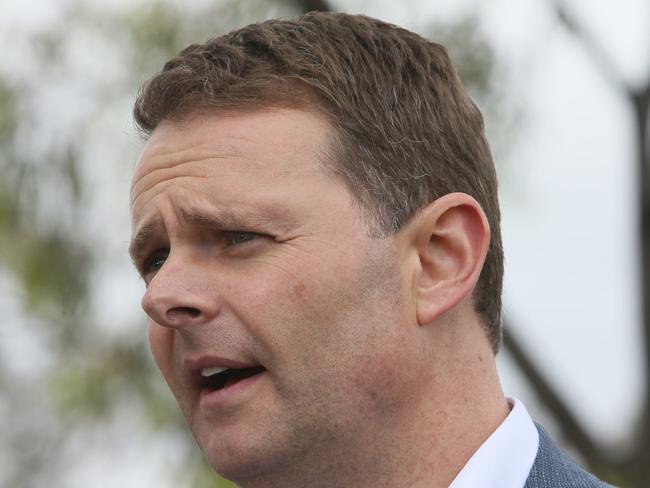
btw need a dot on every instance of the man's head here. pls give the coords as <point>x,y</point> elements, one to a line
<point>405,133</point>
<point>308,218</point>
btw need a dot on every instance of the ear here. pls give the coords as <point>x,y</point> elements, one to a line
<point>451,238</point>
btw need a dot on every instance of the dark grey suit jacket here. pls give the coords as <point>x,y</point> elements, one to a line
<point>554,469</point>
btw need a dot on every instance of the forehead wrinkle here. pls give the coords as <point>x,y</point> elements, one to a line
<point>136,194</point>
<point>151,174</point>
<point>167,158</point>
<point>167,155</point>
<point>170,156</point>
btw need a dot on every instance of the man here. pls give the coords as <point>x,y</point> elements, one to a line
<point>315,216</point>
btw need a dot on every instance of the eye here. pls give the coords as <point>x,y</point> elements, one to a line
<point>239,237</point>
<point>153,263</point>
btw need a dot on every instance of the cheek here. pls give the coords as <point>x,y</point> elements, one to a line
<point>161,345</point>
<point>278,302</point>
<point>383,372</point>
<point>298,291</point>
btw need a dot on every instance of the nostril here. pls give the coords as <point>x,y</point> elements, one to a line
<point>182,312</point>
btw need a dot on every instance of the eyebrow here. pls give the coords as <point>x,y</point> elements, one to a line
<point>219,221</point>
<point>240,219</point>
<point>142,236</point>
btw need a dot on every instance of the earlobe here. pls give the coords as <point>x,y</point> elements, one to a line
<point>451,237</point>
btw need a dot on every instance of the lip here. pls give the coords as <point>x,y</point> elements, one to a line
<point>195,365</point>
<point>227,396</point>
<point>230,395</point>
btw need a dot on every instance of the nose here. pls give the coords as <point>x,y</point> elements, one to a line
<point>180,296</point>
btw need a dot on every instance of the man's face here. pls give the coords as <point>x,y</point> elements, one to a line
<point>255,260</point>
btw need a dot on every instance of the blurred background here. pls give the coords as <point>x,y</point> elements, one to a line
<point>565,88</point>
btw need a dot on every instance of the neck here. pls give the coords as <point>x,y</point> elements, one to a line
<point>465,404</point>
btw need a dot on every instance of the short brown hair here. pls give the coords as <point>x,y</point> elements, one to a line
<point>406,131</point>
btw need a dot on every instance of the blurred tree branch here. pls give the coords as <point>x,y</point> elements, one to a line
<point>633,468</point>
<point>639,100</point>
<point>590,43</point>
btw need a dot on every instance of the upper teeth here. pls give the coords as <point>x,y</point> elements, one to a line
<point>210,371</point>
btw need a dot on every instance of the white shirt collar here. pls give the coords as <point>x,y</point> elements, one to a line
<point>505,459</point>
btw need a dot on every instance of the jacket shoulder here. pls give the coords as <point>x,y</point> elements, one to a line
<point>553,468</point>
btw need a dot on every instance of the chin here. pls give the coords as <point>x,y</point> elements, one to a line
<point>238,458</point>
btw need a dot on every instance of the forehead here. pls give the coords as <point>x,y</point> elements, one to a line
<point>256,138</point>
<point>263,162</point>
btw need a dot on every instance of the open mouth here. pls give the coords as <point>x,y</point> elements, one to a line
<point>219,378</point>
